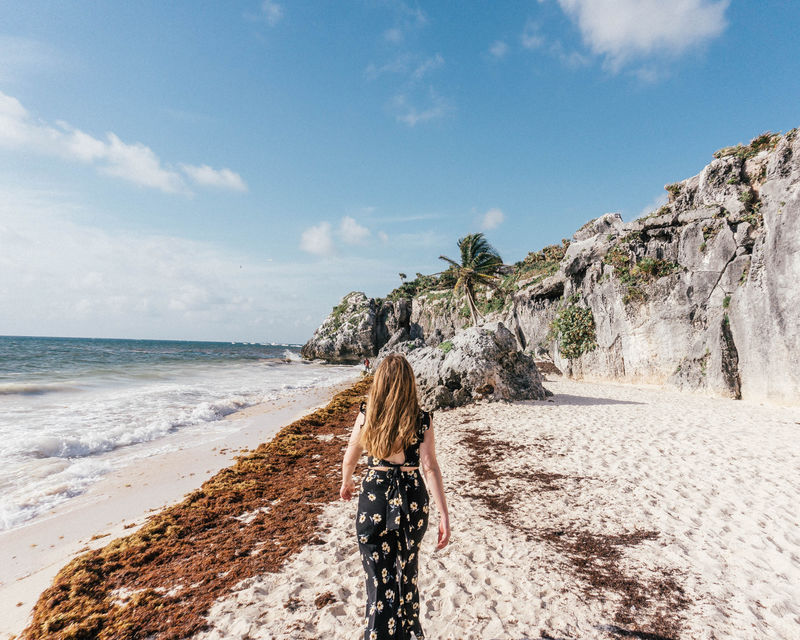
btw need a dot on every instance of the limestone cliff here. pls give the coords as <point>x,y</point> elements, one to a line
<point>702,294</point>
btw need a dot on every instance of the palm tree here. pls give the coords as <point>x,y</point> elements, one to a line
<point>479,264</point>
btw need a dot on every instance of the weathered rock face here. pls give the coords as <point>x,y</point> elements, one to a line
<point>478,362</point>
<point>721,313</point>
<point>703,294</point>
<point>357,328</point>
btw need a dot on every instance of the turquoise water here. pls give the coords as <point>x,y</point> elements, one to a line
<point>72,409</point>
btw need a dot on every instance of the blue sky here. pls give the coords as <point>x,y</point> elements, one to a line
<point>208,170</point>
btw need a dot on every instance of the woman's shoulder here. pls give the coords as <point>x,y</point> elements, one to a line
<point>425,419</point>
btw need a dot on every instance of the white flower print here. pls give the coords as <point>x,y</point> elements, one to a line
<point>376,518</point>
<point>390,595</point>
<point>385,576</point>
<point>424,508</point>
<point>385,547</point>
<point>363,539</point>
<point>379,605</point>
<point>413,506</point>
<point>371,497</point>
<point>373,635</point>
<point>408,596</point>
<point>362,517</point>
<point>397,520</point>
<point>375,556</point>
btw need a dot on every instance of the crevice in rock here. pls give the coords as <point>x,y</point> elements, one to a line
<point>719,276</point>
<point>730,359</point>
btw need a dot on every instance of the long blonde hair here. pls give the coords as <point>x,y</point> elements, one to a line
<point>392,408</point>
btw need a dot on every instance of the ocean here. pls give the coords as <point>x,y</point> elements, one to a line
<point>73,409</point>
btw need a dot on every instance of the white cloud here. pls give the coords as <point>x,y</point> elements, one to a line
<point>427,65</point>
<point>272,12</point>
<point>318,240</point>
<point>208,177</point>
<point>414,67</point>
<point>59,276</point>
<point>654,205</point>
<point>136,162</point>
<point>384,237</point>
<point>492,219</point>
<point>623,30</point>
<point>498,49</point>
<point>531,37</point>
<point>351,232</point>
<point>410,114</point>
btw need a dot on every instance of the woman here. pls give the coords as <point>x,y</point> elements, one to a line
<point>393,503</point>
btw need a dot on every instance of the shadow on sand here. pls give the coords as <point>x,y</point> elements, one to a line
<point>569,399</point>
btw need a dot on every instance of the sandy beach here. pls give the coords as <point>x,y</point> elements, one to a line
<point>606,511</point>
<point>121,502</point>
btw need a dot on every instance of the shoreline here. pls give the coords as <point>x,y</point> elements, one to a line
<point>122,500</point>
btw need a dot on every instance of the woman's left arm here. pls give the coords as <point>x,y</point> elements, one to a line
<point>351,456</point>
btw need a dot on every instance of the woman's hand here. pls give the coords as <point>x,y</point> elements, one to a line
<point>348,489</point>
<point>444,533</point>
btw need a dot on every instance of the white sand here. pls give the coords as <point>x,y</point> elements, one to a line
<point>31,555</point>
<point>718,479</point>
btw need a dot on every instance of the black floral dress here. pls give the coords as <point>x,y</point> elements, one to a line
<point>391,521</point>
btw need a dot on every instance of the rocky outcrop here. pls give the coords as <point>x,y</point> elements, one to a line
<point>477,363</point>
<point>357,328</point>
<point>702,294</point>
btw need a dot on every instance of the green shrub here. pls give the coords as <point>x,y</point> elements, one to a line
<point>636,274</point>
<point>748,197</point>
<point>758,144</point>
<point>726,301</point>
<point>446,346</point>
<point>574,329</point>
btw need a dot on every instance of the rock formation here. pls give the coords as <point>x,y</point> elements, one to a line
<point>357,328</point>
<point>703,294</point>
<point>478,362</point>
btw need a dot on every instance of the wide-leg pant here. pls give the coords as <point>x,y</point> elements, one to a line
<point>391,521</point>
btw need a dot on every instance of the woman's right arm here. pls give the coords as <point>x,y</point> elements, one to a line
<point>433,476</point>
<point>351,456</point>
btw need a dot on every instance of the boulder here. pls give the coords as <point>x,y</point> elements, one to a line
<point>476,363</point>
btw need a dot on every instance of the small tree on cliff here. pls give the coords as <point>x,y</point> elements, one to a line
<point>479,265</point>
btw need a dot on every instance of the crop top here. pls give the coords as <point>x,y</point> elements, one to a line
<point>412,451</point>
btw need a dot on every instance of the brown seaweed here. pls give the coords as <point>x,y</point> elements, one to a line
<point>160,581</point>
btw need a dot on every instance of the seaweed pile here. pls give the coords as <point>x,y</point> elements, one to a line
<point>648,605</point>
<point>246,520</point>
